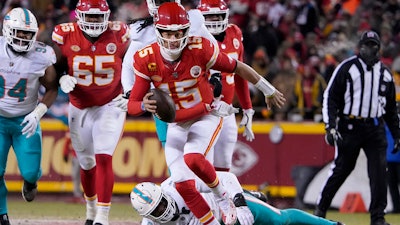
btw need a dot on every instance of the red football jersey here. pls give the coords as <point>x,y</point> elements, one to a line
<point>186,80</point>
<point>96,66</point>
<point>232,45</point>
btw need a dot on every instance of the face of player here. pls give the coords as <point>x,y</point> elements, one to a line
<point>94,18</point>
<point>22,35</point>
<point>172,39</point>
<point>213,17</point>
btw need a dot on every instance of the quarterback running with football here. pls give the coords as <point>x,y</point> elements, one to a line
<point>229,37</point>
<point>25,65</point>
<point>168,207</point>
<point>178,64</point>
<point>92,50</point>
<point>143,33</point>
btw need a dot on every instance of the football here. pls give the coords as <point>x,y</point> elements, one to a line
<point>165,105</point>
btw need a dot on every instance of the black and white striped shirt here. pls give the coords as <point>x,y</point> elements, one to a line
<point>355,91</point>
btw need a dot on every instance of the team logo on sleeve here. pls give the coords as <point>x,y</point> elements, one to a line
<point>111,48</point>
<point>75,48</point>
<point>195,71</point>
<point>236,43</point>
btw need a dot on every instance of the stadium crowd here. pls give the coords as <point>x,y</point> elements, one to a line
<point>294,44</point>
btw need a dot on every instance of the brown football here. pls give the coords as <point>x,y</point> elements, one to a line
<point>165,105</point>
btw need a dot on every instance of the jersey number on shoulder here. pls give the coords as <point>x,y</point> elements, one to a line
<point>99,73</point>
<point>18,91</point>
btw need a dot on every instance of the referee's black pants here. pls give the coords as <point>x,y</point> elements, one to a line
<point>370,136</point>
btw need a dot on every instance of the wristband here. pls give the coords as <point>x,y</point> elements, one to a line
<point>142,107</point>
<point>40,110</point>
<point>265,87</point>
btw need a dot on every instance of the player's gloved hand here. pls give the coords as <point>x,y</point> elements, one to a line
<point>221,108</point>
<point>215,80</point>
<point>332,136</point>
<point>243,212</point>
<point>67,83</point>
<point>121,102</point>
<point>396,147</point>
<point>244,215</point>
<point>31,120</point>
<point>247,122</point>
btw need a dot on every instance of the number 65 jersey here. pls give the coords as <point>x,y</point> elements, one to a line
<point>19,77</point>
<point>96,66</point>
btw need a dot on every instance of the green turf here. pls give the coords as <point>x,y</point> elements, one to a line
<point>121,210</point>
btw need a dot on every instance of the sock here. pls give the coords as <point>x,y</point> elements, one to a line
<point>104,177</point>
<point>103,210</point>
<point>201,167</point>
<point>193,199</point>
<point>91,207</point>
<point>88,180</point>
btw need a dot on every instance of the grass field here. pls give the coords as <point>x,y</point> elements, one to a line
<point>55,209</point>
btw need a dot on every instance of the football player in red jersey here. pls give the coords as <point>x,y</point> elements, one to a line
<point>92,49</point>
<point>178,64</point>
<point>229,37</point>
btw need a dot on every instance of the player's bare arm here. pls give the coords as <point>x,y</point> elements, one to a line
<point>272,95</point>
<point>49,81</point>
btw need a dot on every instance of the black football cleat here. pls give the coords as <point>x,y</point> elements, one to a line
<point>320,213</point>
<point>89,222</point>
<point>4,219</point>
<point>29,191</point>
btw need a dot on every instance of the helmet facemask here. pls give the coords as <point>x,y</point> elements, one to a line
<point>216,26</point>
<point>86,21</point>
<point>172,40</point>
<point>20,29</point>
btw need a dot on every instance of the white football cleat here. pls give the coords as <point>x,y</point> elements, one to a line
<point>228,209</point>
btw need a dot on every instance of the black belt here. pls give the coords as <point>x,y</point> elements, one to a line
<point>361,119</point>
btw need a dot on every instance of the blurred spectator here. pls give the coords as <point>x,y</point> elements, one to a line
<point>259,34</point>
<point>285,81</point>
<point>308,92</point>
<point>238,12</point>
<point>130,10</point>
<point>307,17</point>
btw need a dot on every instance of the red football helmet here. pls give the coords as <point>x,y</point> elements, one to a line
<point>218,9</point>
<point>92,16</point>
<point>173,20</point>
<point>152,5</point>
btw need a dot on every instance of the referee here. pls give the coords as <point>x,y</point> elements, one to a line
<point>358,101</point>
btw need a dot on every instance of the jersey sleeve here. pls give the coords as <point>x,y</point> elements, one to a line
<point>58,35</point>
<point>122,30</point>
<point>140,88</point>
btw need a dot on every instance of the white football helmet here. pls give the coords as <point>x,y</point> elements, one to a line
<point>152,5</point>
<point>218,8</point>
<point>85,9</point>
<point>20,19</point>
<point>172,16</point>
<point>149,201</point>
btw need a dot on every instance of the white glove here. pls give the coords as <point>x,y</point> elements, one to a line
<point>67,83</point>
<point>121,102</point>
<point>31,120</point>
<point>244,215</point>
<point>221,108</point>
<point>247,122</point>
